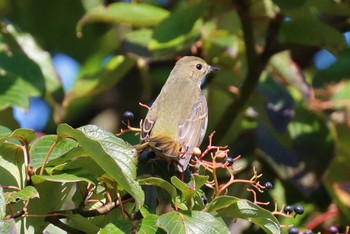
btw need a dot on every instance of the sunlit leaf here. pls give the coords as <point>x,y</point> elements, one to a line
<point>285,68</point>
<point>240,208</point>
<point>25,136</point>
<point>4,131</point>
<point>26,193</point>
<point>159,182</point>
<point>2,204</point>
<point>47,145</point>
<point>83,224</point>
<point>191,222</point>
<point>42,58</point>
<point>112,154</point>
<point>12,167</point>
<point>8,226</point>
<point>137,14</point>
<point>27,81</point>
<point>147,225</point>
<point>61,178</point>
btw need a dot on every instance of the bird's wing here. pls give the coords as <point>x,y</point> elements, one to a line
<point>192,131</point>
<point>164,145</point>
<point>147,126</point>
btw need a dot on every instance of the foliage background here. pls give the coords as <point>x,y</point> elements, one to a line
<point>281,98</point>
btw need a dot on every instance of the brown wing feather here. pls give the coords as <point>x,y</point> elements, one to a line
<point>163,145</point>
<point>147,127</point>
<point>192,131</point>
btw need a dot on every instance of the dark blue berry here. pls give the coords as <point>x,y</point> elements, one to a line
<point>268,185</point>
<point>308,232</point>
<point>128,115</point>
<point>204,199</point>
<point>293,230</point>
<point>333,229</point>
<point>229,161</point>
<point>288,209</point>
<point>298,209</point>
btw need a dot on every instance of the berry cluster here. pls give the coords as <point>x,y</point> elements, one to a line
<point>298,209</point>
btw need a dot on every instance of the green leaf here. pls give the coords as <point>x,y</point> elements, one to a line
<point>25,136</point>
<point>112,154</point>
<point>283,67</point>
<point>4,131</point>
<point>188,191</point>
<point>312,33</point>
<point>136,14</point>
<point>8,226</point>
<point>183,187</point>
<point>111,228</point>
<point>42,58</point>
<point>240,208</point>
<point>83,224</point>
<point>94,83</point>
<point>159,182</point>
<point>41,147</point>
<point>53,197</point>
<point>61,178</point>
<point>327,7</point>
<point>198,181</point>
<point>137,41</point>
<point>12,168</point>
<point>285,5</point>
<point>336,72</point>
<point>2,204</point>
<point>191,222</point>
<point>27,193</point>
<point>342,96</point>
<point>76,153</point>
<point>147,225</point>
<point>221,203</point>
<point>176,29</point>
<point>18,73</point>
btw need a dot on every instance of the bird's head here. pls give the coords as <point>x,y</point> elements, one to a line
<point>195,68</point>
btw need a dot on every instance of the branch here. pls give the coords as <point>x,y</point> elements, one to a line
<point>256,63</point>
<point>102,210</point>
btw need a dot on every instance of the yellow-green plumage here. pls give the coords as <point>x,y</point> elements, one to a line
<point>177,120</point>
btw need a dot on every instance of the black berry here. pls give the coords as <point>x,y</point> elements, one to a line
<point>128,115</point>
<point>308,232</point>
<point>204,199</point>
<point>293,230</point>
<point>333,229</point>
<point>298,209</point>
<point>229,160</point>
<point>288,209</point>
<point>268,185</point>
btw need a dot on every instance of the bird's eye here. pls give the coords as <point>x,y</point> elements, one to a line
<point>199,66</point>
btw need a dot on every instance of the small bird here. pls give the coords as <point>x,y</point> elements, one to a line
<point>177,121</point>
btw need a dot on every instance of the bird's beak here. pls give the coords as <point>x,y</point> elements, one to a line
<point>212,68</point>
